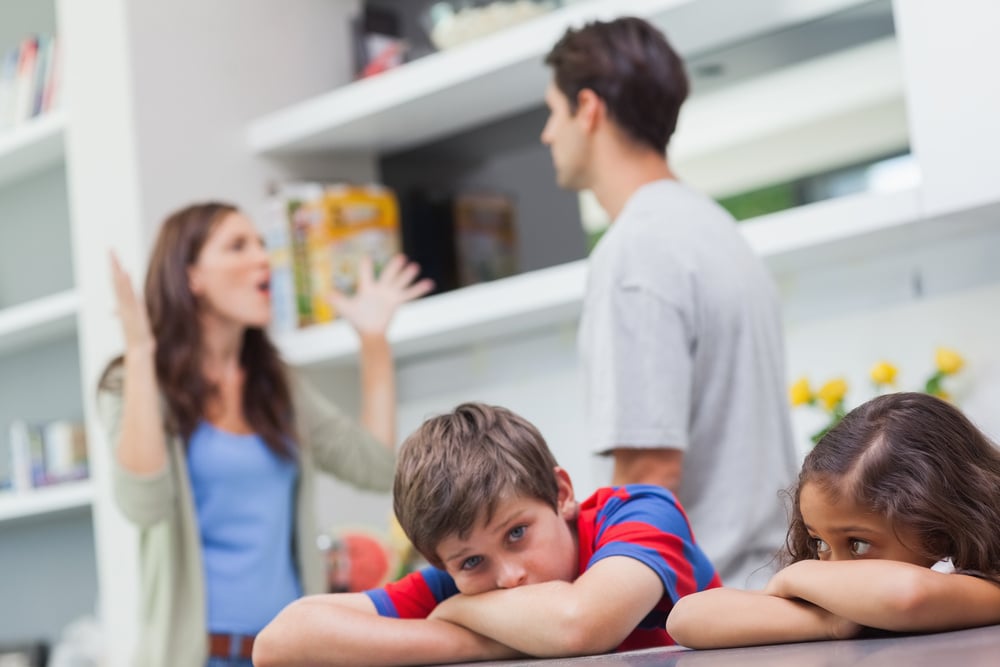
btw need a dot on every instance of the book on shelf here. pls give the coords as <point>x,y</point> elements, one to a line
<point>29,80</point>
<point>36,455</point>
<point>317,236</point>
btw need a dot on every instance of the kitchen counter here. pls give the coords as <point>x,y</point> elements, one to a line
<point>964,648</point>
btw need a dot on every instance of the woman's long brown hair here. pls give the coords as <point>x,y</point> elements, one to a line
<point>173,317</point>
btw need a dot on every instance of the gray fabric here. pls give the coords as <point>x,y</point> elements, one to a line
<point>682,347</point>
<point>173,629</point>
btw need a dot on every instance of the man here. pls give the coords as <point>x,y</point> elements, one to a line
<point>681,333</point>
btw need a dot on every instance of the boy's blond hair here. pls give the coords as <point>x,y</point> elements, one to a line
<point>455,469</point>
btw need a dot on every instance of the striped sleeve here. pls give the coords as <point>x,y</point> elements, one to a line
<point>645,522</point>
<point>415,595</point>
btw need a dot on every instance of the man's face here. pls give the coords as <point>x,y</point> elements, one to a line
<point>526,542</point>
<point>566,140</point>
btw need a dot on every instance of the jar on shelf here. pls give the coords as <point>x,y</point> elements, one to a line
<point>454,22</point>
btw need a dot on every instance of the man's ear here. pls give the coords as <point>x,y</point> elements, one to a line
<point>566,504</point>
<point>590,109</point>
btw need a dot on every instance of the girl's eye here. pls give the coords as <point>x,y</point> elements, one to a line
<point>822,548</point>
<point>860,547</point>
<point>471,562</point>
<point>516,533</point>
<point>238,244</point>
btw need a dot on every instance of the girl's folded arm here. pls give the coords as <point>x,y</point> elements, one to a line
<point>726,617</point>
<point>892,595</point>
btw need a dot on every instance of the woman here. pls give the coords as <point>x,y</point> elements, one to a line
<point>216,440</point>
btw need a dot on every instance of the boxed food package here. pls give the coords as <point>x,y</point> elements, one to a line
<point>321,234</point>
<point>356,222</point>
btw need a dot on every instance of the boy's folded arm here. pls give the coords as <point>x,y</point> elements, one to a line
<point>345,629</point>
<point>727,617</point>
<point>892,595</point>
<point>593,614</point>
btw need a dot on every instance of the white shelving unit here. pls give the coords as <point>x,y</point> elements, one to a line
<point>450,91</point>
<point>16,506</point>
<point>38,321</point>
<point>819,233</point>
<point>32,146</point>
<point>504,74</point>
<point>454,319</point>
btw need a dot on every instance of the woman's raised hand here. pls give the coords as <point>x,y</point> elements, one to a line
<point>131,310</point>
<point>371,307</point>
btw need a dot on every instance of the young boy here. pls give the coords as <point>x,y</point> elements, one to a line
<point>519,567</point>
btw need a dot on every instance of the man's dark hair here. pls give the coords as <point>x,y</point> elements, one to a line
<point>630,65</point>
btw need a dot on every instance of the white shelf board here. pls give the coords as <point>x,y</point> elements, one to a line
<point>499,75</point>
<point>45,500</point>
<point>38,321</point>
<point>461,317</point>
<point>835,230</point>
<point>32,146</point>
<point>792,239</point>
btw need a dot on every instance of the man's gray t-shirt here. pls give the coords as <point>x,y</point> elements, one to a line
<point>682,347</point>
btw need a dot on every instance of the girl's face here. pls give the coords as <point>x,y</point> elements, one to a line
<point>843,530</point>
<point>231,277</point>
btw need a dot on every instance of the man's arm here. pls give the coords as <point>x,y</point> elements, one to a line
<point>345,629</point>
<point>594,614</point>
<point>662,467</point>
<point>891,595</point>
<point>728,617</point>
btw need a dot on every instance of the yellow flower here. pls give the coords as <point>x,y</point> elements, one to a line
<point>883,373</point>
<point>800,393</point>
<point>943,395</point>
<point>832,392</point>
<point>948,361</point>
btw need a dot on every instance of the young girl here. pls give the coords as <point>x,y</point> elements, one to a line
<point>895,526</point>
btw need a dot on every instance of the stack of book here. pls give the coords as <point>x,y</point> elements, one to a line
<point>29,80</point>
<point>41,454</point>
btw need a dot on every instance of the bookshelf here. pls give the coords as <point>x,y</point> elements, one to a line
<point>45,500</point>
<point>31,147</point>
<point>48,531</point>
<point>38,321</point>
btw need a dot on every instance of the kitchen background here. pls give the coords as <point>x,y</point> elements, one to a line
<point>856,138</point>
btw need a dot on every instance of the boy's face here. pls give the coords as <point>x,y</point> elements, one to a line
<point>526,542</point>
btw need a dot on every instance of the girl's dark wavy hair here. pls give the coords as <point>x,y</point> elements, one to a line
<point>920,462</point>
<point>173,317</point>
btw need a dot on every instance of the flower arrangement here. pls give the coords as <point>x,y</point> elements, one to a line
<point>830,396</point>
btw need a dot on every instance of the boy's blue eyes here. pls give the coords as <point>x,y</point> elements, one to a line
<point>513,535</point>
<point>470,563</point>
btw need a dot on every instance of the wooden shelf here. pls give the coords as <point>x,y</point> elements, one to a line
<point>38,321</point>
<point>45,500</point>
<point>502,74</point>
<point>32,146</point>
